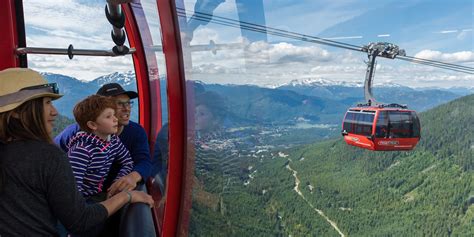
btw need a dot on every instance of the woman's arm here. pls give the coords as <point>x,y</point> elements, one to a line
<point>64,199</point>
<point>67,203</point>
<point>117,201</point>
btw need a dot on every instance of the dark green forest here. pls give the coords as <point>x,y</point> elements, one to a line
<point>425,192</point>
<point>61,123</point>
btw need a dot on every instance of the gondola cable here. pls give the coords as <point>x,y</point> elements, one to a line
<point>436,65</point>
<point>312,39</point>
<point>264,29</point>
<point>437,62</point>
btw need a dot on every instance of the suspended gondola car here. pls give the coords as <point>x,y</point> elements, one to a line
<point>381,128</point>
<point>376,126</point>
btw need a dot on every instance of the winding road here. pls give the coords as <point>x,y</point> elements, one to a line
<point>321,213</point>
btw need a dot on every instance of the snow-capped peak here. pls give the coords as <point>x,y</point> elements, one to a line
<point>123,78</point>
<point>321,82</point>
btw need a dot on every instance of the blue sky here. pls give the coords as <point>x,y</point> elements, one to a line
<point>432,29</point>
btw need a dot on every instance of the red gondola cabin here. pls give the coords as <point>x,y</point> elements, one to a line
<point>381,128</point>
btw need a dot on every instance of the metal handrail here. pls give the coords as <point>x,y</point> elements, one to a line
<point>70,51</point>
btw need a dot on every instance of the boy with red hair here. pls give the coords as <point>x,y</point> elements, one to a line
<point>93,150</point>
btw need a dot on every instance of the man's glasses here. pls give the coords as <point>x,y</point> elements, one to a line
<point>53,87</point>
<point>125,104</point>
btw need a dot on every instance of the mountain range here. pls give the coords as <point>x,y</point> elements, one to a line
<point>314,101</point>
<point>75,90</point>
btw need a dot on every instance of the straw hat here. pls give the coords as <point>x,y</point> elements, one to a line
<point>18,85</point>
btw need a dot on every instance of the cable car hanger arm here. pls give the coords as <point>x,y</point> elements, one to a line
<point>373,50</point>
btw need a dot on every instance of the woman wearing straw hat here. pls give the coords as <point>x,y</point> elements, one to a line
<point>37,186</point>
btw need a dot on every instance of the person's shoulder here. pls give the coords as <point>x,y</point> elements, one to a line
<point>72,128</point>
<point>67,133</point>
<point>134,128</point>
<point>43,146</point>
<point>42,149</point>
<point>135,125</point>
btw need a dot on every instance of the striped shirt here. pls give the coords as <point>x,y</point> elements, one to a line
<point>91,158</point>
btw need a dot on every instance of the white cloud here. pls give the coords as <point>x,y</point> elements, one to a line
<point>204,35</point>
<point>64,15</point>
<point>298,53</point>
<point>338,69</point>
<point>211,69</point>
<point>58,23</point>
<point>82,68</point>
<point>285,53</point>
<point>447,31</point>
<point>458,57</point>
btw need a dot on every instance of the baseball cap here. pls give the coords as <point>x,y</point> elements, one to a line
<point>114,89</point>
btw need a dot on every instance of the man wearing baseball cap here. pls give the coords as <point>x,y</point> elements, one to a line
<point>131,134</point>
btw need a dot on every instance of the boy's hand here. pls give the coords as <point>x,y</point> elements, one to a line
<point>125,183</point>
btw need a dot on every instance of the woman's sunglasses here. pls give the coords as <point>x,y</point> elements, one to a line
<point>53,86</point>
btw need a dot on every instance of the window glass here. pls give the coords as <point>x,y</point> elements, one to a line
<point>264,96</point>
<point>382,125</point>
<point>49,24</point>
<point>401,124</point>
<point>264,104</point>
<point>349,122</point>
<point>416,124</point>
<point>150,30</point>
<point>359,123</point>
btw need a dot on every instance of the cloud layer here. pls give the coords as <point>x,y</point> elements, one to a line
<point>56,24</point>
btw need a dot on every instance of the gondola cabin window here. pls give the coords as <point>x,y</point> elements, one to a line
<point>359,122</point>
<point>401,124</point>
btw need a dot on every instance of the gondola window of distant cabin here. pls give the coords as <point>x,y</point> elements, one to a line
<point>359,123</point>
<point>397,124</point>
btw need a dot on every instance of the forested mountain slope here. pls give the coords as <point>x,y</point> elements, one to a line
<point>61,123</point>
<point>332,189</point>
<point>428,191</point>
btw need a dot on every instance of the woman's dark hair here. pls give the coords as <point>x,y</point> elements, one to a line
<point>26,122</point>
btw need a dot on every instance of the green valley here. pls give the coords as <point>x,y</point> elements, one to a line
<point>323,188</point>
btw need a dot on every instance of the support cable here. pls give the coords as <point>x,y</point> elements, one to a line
<point>313,39</point>
<point>434,63</point>
<point>263,29</point>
